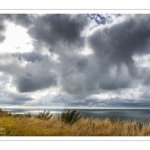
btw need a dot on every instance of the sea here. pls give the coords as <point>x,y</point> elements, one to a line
<point>130,115</point>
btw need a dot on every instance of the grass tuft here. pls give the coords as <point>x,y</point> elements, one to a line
<point>44,115</point>
<point>70,116</point>
<point>28,115</point>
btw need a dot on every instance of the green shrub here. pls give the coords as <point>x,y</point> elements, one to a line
<point>70,116</point>
<point>44,115</point>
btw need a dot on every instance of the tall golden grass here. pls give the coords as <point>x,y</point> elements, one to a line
<point>19,125</point>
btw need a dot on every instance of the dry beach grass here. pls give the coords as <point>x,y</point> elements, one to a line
<point>28,125</point>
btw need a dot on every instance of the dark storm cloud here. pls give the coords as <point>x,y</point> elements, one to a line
<point>30,83</point>
<point>115,46</point>
<point>2,28</point>
<point>113,83</point>
<point>37,76</point>
<point>81,64</point>
<point>145,74</point>
<point>122,40</point>
<point>30,56</point>
<point>29,78</point>
<point>24,20</point>
<point>54,29</point>
<point>78,75</point>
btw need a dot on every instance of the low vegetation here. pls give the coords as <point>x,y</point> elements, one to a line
<point>4,113</point>
<point>44,115</point>
<point>29,125</point>
<point>70,116</point>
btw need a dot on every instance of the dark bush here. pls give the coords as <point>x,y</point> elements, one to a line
<point>70,116</point>
<point>28,115</point>
<point>44,115</point>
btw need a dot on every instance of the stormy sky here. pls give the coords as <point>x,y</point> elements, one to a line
<point>80,60</point>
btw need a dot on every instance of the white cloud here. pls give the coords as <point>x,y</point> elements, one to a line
<point>16,40</point>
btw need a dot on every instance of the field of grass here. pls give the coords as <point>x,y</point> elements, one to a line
<point>28,125</point>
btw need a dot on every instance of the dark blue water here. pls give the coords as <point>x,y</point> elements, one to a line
<point>139,115</point>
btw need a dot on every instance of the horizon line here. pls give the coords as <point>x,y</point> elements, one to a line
<point>72,107</point>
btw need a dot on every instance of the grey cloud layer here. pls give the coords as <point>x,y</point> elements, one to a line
<point>29,78</point>
<point>52,30</point>
<point>110,67</point>
<point>9,98</point>
<point>24,20</point>
<point>3,18</point>
<point>116,45</point>
<point>30,56</point>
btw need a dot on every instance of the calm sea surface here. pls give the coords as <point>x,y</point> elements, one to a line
<point>140,115</point>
